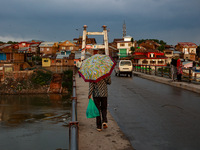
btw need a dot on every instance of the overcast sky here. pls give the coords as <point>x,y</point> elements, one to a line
<point>57,20</point>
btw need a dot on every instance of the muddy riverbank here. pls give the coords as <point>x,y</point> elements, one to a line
<point>38,83</point>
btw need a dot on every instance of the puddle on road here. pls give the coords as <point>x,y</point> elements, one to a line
<point>25,119</point>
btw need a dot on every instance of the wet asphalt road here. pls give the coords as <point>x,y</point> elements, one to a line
<point>155,116</point>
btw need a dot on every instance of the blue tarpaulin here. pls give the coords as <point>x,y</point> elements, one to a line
<point>2,56</point>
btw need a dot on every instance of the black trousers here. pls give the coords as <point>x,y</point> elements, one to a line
<point>101,103</point>
<point>179,77</point>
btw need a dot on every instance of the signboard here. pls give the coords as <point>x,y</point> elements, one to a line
<point>88,47</point>
<point>7,65</point>
<point>98,46</point>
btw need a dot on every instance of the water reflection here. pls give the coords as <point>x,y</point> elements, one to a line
<point>29,112</point>
<point>17,109</point>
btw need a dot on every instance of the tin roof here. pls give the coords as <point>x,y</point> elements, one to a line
<point>34,45</point>
<point>187,44</point>
<point>176,52</point>
<point>51,56</point>
<point>46,44</point>
<point>5,45</point>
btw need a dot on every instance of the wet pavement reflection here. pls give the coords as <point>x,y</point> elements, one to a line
<point>34,122</point>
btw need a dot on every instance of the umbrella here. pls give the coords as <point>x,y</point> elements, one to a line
<point>96,67</point>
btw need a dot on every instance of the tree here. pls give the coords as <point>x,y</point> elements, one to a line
<point>161,48</point>
<point>198,51</point>
<point>161,42</point>
<point>12,42</point>
<point>1,42</point>
<point>132,50</point>
<point>132,40</point>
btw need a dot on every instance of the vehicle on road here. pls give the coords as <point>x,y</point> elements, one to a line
<point>123,67</point>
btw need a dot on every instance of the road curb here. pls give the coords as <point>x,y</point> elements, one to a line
<point>183,85</point>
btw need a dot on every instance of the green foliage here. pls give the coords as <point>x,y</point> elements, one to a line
<point>198,51</point>
<point>36,58</point>
<point>67,80</point>
<point>161,48</point>
<point>132,40</point>
<point>165,70</point>
<point>1,42</point>
<point>12,42</point>
<point>132,49</point>
<point>161,42</point>
<point>41,78</point>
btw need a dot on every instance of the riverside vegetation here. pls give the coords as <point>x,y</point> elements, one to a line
<point>37,83</point>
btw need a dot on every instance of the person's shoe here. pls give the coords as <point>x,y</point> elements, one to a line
<point>99,129</point>
<point>105,125</point>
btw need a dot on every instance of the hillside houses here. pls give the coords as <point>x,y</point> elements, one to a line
<point>188,49</point>
<point>58,56</point>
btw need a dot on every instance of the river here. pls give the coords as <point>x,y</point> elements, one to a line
<point>34,122</point>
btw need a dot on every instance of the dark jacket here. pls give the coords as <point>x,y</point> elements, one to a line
<point>174,62</point>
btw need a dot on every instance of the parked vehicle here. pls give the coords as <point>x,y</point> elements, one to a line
<point>123,67</point>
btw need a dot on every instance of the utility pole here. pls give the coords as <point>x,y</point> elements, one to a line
<point>124,29</point>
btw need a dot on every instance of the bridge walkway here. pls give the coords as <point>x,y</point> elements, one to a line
<point>89,138</point>
<point>111,138</point>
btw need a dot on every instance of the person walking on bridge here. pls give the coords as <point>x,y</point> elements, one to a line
<point>78,65</point>
<point>173,69</point>
<point>100,93</point>
<point>97,70</point>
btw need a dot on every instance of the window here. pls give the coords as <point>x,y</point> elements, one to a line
<point>129,44</point>
<point>71,48</point>
<point>46,61</point>
<point>63,48</point>
<point>41,49</point>
<point>58,61</point>
<point>145,62</point>
<point>122,44</point>
<point>124,63</point>
<point>152,55</point>
<point>152,62</point>
<point>47,49</point>
<point>168,53</point>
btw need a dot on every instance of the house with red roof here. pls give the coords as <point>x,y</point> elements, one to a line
<point>149,57</point>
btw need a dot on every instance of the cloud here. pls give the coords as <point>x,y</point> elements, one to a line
<point>57,19</point>
<point>11,38</point>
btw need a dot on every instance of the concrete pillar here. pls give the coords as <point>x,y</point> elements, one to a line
<point>84,36</point>
<point>84,42</point>
<point>105,39</point>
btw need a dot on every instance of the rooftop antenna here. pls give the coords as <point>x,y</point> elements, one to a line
<point>124,29</point>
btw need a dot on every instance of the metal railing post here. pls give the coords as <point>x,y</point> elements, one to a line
<point>149,70</point>
<point>190,74</point>
<point>74,124</point>
<point>146,68</point>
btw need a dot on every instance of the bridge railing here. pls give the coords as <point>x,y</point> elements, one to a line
<point>188,75</point>
<point>74,124</point>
